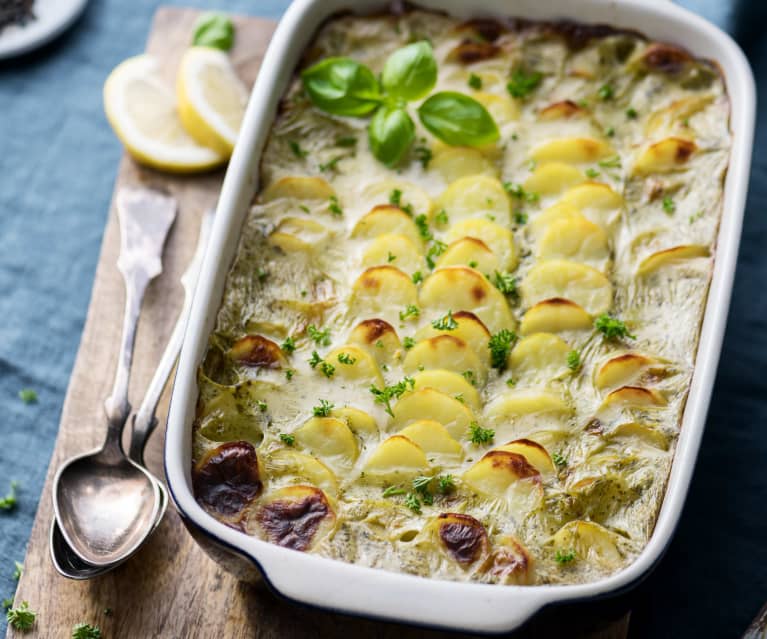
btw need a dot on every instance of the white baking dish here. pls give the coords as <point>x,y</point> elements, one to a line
<point>378,593</point>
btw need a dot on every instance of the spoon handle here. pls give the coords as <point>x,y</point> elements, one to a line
<point>145,218</point>
<point>144,421</point>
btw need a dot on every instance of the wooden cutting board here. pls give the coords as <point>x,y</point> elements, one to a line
<point>171,589</point>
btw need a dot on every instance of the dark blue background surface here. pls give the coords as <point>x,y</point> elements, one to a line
<point>58,160</point>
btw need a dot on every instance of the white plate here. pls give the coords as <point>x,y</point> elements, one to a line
<point>51,18</point>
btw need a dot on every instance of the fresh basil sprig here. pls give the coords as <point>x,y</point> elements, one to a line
<point>213,30</point>
<point>342,86</point>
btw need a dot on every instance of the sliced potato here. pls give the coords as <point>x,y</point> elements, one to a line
<point>257,351</point>
<point>476,196</point>
<point>459,288</point>
<point>510,563</point>
<point>298,234</point>
<point>448,382</point>
<point>575,239</point>
<point>355,364</point>
<point>671,256</point>
<point>432,437</point>
<point>554,316</point>
<point>622,369</point>
<point>382,291</point>
<point>470,329</point>
<point>298,188</point>
<point>330,439</point>
<point>378,338</point>
<point>295,517</point>
<point>553,178</point>
<point>385,219</point>
<point>396,459</point>
<point>525,402</point>
<point>579,283</point>
<point>572,150</point>
<point>444,351</point>
<point>590,542</point>
<point>670,154</point>
<point>496,237</point>
<point>673,115</point>
<point>397,250</point>
<point>501,107</point>
<point>598,202</point>
<point>641,432</point>
<point>556,213</point>
<point>471,252</point>
<point>634,396</point>
<point>411,197</point>
<point>535,455</point>
<point>428,403</point>
<point>454,162</point>
<point>507,477</point>
<point>539,357</point>
<point>461,537</point>
<point>285,462</point>
<point>227,479</point>
<point>357,420</point>
<point>564,109</point>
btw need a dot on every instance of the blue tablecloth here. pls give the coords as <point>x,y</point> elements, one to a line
<point>58,159</point>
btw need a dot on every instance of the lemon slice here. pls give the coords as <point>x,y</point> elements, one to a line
<point>211,98</point>
<point>142,112</point>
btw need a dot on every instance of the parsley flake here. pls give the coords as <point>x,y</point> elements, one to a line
<point>9,501</point>
<point>85,631</point>
<point>28,395</point>
<point>328,370</point>
<point>289,345</point>
<point>417,277</point>
<point>423,227</point>
<point>345,358</point>
<point>441,218</point>
<point>631,113</point>
<point>668,205</point>
<point>320,337</point>
<point>288,440</point>
<point>523,84</point>
<point>611,327</point>
<point>520,217</point>
<point>573,360</point>
<point>297,150</point>
<point>423,154</point>
<point>500,344</point>
<point>564,557</point>
<point>475,82</point>
<point>505,283</point>
<point>559,461</point>
<point>390,257</point>
<point>384,395</point>
<point>412,502</point>
<point>408,343</point>
<point>446,323</point>
<point>262,405</point>
<point>606,92</point>
<point>324,408</point>
<point>592,173</point>
<point>334,206</point>
<point>479,435</point>
<point>393,490</point>
<point>346,141</point>
<point>411,311</point>
<point>446,483</point>
<point>21,617</point>
<point>613,162</point>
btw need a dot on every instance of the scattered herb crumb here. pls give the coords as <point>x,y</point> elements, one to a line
<point>262,405</point>
<point>411,311</point>
<point>289,345</point>
<point>592,173</point>
<point>479,435</point>
<point>21,617</point>
<point>408,343</point>
<point>611,327</point>
<point>334,206</point>
<point>384,395</point>
<point>393,490</point>
<point>9,501</point>
<point>85,631</point>
<point>631,113</point>
<point>520,217</point>
<point>320,337</point>
<point>324,408</point>
<point>446,483</point>
<point>559,461</point>
<point>668,205</point>
<point>606,92</point>
<point>288,440</point>
<point>573,360</point>
<point>28,395</point>
<point>417,277</point>
<point>446,323</point>
<point>475,82</point>
<point>297,150</point>
<point>412,502</point>
<point>523,84</point>
<point>564,557</point>
<point>345,358</point>
<point>500,344</point>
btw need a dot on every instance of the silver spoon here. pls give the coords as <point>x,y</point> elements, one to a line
<point>105,503</point>
<point>65,560</point>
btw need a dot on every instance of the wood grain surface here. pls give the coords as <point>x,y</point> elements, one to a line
<point>171,589</point>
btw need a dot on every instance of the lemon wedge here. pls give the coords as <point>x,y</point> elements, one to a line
<point>142,112</point>
<point>211,98</point>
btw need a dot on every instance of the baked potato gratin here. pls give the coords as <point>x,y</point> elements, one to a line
<point>460,358</point>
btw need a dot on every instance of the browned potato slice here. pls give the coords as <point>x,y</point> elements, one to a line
<point>556,213</point>
<point>672,116</point>
<point>497,238</point>
<point>385,219</point>
<point>525,401</point>
<point>577,240</point>
<point>444,351</point>
<point>535,454</point>
<point>470,329</point>
<point>298,234</point>
<point>461,537</point>
<point>411,196</point>
<point>634,396</point>
<point>295,517</point>
<point>579,283</point>
<point>572,150</point>
<point>509,563</point>
<point>622,369</point>
<point>305,468</point>
<point>670,154</point>
<point>641,432</point>
<point>471,51</point>
<point>671,256</point>
<point>428,403</point>
<point>299,188</point>
<point>378,338</point>
<point>257,351</point>
<point>598,202</point>
<point>382,291</point>
<point>470,251</point>
<point>476,196</point>
<point>507,477</point>
<point>563,109</point>
<point>554,316</point>
<point>459,288</point>
<point>227,479</point>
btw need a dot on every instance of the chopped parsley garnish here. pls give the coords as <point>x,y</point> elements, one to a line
<point>334,206</point>
<point>500,344</point>
<point>320,337</point>
<point>28,396</point>
<point>330,165</point>
<point>446,323</point>
<point>9,501</point>
<point>610,131</point>
<point>559,461</point>
<point>379,344</point>
<point>7,603</point>
<point>411,311</point>
<point>611,327</point>
<point>696,216</point>
<point>435,250</point>
<point>328,370</point>
<point>423,155</point>
<point>592,173</point>
<point>475,82</point>
<point>473,263</point>
<point>18,570</point>
<point>384,395</point>
<point>412,502</point>
<point>85,631</point>
<point>631,113</point>
<point>408,343</point>
<point>390,257</point>
<point>421,487</point>
<point>668,205</point>
<point>324,408</point>
<point>289,374</point>
<point>423,227</point>
<point>393,490</point>
<point>610,163</point>
<point>606,92</point>
<point>469,377</point>
<point>297,150</point>
<point>441,217</point>
<point>345,358</point>
<point>520,217</point>
<point>262,405</point>
<point>564,557</point>
<point>304,208</point>
<point>417,277</point>
<point>21,617</point>
<point>505,283</point>
<point>517,191</point>
<point>288,440</point>
<point>460,398</point>
<point>289,345</point>
<point>262,275</point>
<point>446,483</point>
<point>346,141</point>
<point>395,199</point>
<point>479,435</point>
<point>511,382</point>
<point>573,360</point>
<point>523,84</point>
<point>314,359</point>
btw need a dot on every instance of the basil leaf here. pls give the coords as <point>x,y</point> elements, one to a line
<point>342,86</point>
<point>391,132</point>
<point>457,119</point>
<point>213,30</point>
<point>410,72</point>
